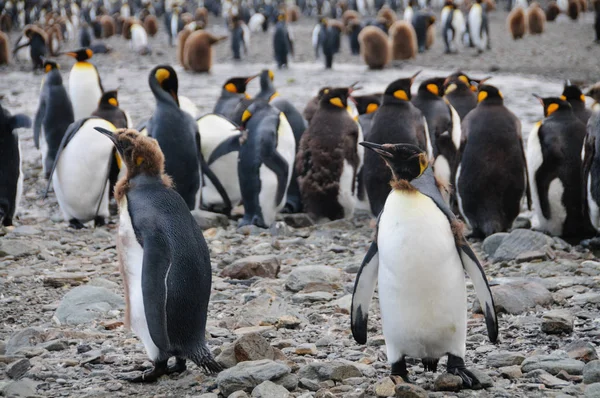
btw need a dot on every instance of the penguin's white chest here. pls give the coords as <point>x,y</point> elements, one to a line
<point>84,89</point>
<point>422,290</point>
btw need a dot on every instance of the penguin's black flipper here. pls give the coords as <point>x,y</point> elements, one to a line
<point>21,46</point>
<point>69,134</point>
<point>37,123</point>
<point>527,182</point>
<point>231,144</point>
<point>274,161</point>
<point>364,287</point>
<point>589,152</point>
<point>208,173</point>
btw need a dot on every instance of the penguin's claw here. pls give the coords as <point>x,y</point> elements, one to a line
<point>468,378</point>
<point>178,367</point>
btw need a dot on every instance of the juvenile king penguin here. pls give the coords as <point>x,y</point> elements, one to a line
<point>85,85</point>
<point>591,160</point>
<point>163,259</point>
<point>198,52</point>
<point>328,159</point>
<point>403,40</point>
<point>11,173</point>
<point>4,49</point>
<point>492,174</point>
<point>374,47</point>
<point>37,40</point>
<point>313,104</point>
<point>233,93</point>
<point>419,257</point>
<point>554,164</point>
<point>574,96</point>
<point>53,116</point>
<point>516,23</point>
<point>396,120</point>
<point>536,19</point>
<point>282,42</point>
<point>265,163</point>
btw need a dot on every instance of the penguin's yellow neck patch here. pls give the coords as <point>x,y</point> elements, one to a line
<point>433,89</point>
<point>401,95</point>
<point>551,109</point>
<point>119,160</point>
<point>481,96</point>
<point>372,108</point>
<point>337,102</point>
<point>275,95</point>
<point>83,65</point>
<point>247,96</point>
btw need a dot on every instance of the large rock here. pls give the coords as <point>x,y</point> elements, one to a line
<point>268,389</point>
<point>405,390</point>
<point>553,364</point>
<point>249,267</point>
<point>264,307</point>
<point>504,358</point>
<point>545,378</point>
<point>516,297</point>
<point>250,347</point>
<point>207,219</point>
<point>591,372</point>
<point>521,241</point>
<point>302,276</point>
<point>492,242</point>
<point>336,371</point>
<point>28,337</point>
<point>448,382</point>
<point>247,375</point>
<point>86,303</point>
<point>557,322</point>
<point>21,388</point>
<point>581,350</point>
<point>592,390</point>
<point>17,248</point>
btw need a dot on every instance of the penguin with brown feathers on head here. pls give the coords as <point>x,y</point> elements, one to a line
<point>573,9</point>
<point>536,19</point>
<point>459,91</point>
<point>516,23</point>
<point>328,159</point>
<point>491,178</point>
<point>374,47</point>
<point>108,26</point>
<point>403,41</point>
<point>4,49</point>
<point>313,104</point>
<point>163,259</point>
<point>151,25</point>
<point>37,40</point>
<point>198,51</point>
<point>554,164</point>
<point>396,120</point>
<point>574,96</point>
<point>233,93</point>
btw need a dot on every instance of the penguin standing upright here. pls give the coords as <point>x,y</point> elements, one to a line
<point>477,26</point>
<point>396,120</point>
<point>233,93</point>
<point>11,173</point>
<point>37,41</point>
<point>516,23</point>
<point>238,41</point>
<point>458,90</point>
<point>85,85</point>
<point>421,22</point>
<point>328,159</point>
<point>403,41</point>
<point>453,26</point>
<point>418,258</point>
<point>596,5</point>
<point>319,37</point>
<point>374,47</point>
<point>4,49</point>
<point>53,116</point>
<point>164,261</point>
<point>332,43</point>
<point>282,42</point>
<point>108,109</point>
<point>591,160</point>
<point>354,28</point>
<point>491,178</point>
<point>574,96</point>
<point>266,162</point>
<point>198,52</point>
<point>554,164</point>
<point>536,19</point>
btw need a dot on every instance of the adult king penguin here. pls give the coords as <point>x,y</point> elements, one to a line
<point>574,96</point>
<point>233,94</point>
<point>53,116</point>
<point>591,160</point>
<point>460,93</point>
<point>554,164</point>
<point>396,120</point>
<point>85,85</point>
<point>163,259</point>
<point>282,42</point>
<point>422,291</point>
<point>492,174</point>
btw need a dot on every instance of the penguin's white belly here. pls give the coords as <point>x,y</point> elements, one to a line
<point>442,171</point>
<point>225,168</point>
<point>346,198</point>
<point>84,89</point>
<point>80,179</point>
<point>594,209</point>
<point>422,290</point>
<point>132,256</point>
<point>139,38</point>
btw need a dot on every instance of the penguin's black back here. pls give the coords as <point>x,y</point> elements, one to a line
<point>227,103</point>
<point>237,38</point>
<point>437,114</point>
<point>463,100</point>
<point>580,110</point>
<point>38,50</point>
<point>9,172</point>
<point>281,44</point>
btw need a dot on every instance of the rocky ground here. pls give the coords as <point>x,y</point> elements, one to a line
<point>280,297</point>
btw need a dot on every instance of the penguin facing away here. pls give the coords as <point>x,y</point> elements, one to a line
<point>85,85</point>
<point>516,23</point>
<point>198,51</point>
<point>403,40</point>
<point>374,48</point>
<point>266,161</point>
<point>4,49</point>
<point>163,259</point>
<point>554,165</point>
<point>422,291</point>
<point>591,161</point>
<point>421,22</point>
<point>536,19</point>
<point>574,96</point>
<point>53,116</point>
<point>282,43</point>
<point>11,173</point>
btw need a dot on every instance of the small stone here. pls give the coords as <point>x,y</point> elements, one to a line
<point>309,384</point>
<point>591,372</point>
<point>485,381</point>
<point>385,387</point>
<point>557,322</point>
<point>518,296</point>
<point>114,386</point>
<point>405,390</point>
<point>27,337</point>
<point>247,375</point>
<point>253,329</point>
<point>207,219</point>
<point>288,322</point>
<point>492,242</point>
<point>545,378</point>
<point>504,358</point>
<point>238,394</point>
<point>306,349</point>
<point>249,267</point>
<point>314,297</point>
<point>298,220</point>
<point>60,279</point>
<point>302,276</point>
<point>586,298</point>
<point>252,347</point>
<point>322,371</point>
<point>268,389</point>
<point>17,248</point>
<point>581,350</point>
<point>55,345</point>
<point>447,382</point>
<point>531,256</point>
<point>511,372</point>
<point>17,369</point>
<point>553,363</point>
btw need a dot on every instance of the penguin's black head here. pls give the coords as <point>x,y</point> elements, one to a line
<point>83,54</point>
<point>406,161</point>
<point>49,66</point>
<point>572,93</point>
<point>594,92</point>
<point>366,104</point>
<point>433,86</point>
<point>399,90</point>
<point>9,122</point>
<point>281,17</point>
<point>237,85</point>
<point>459,80</point>
<point>335,97</point>
<point>167,80</point>
<point>489,95</point>
<point>553,104</point>
<point>109,99</point>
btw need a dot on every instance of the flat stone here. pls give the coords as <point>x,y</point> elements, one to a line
<point>313,297</point>
<point>586,298</point>
<point>86,303</point>
<point>306,349</point>
<point>504,358</point>
<point>238,394</point>
<point>405,390</point>
<point>545,378</point>
<point>557,321</point>
<point>265,306</point>
<point>519,241</point>
<point>511,372</point>
<point>304,275</point>
<point>385,387</point>
<point>581,350</point>
<point>492,242</point>
<point>288,322</point>
<point>322,371</point>
<point>207,219</point>
<point>592,390</point>
<point>553,363</point>
<point>26,230</point>
<point>268,389</point>
<point>17,369</point>
<point>249,267</point>
<point>55,345</point>
<point>591,372</point>
<point>298,220</point>
<point>60,279</point>
<point>17,248</point>
<point>447,382</point>
<point>20,388</point>
<point>253,329</point>
<point>485,381</point>
<point>247,375</point>
<point>28,337</point>
<point>517,296</point>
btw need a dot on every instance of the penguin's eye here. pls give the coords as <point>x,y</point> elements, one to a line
<point>401,95</point>
<point>231,88</point>
<point>433,89</point>
<point>337,102</point>
<point>551,109</point>
<point>481,96</point>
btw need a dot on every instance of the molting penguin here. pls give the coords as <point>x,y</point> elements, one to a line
<point>328,159</point>
<point>4,49</point>
<point>591,160</point>
<point>403,41</point>
<point>11,173</point>
<point>85,85</point>
<point>198,51</point>
<point>374,47</point>
<point>233,93</point>
<point>313,104</point>
<point>516,23</point>
<point>554,164</point>
<point>477,26</point>
<point>265,163</point>
<point>552,11</point>
<point>396,120</point>
<point>53,116</point>
<point>574,96</point>
<point>37,40</point>
<point>164,261</point>
<point>282,42</point>
<point>492,174</point>
<point>421,281</point>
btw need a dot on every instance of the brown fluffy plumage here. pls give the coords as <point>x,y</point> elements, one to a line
<point>552,11</point>
<point>108,26</point>
<point>201,16</point>
<point>181,38</point>
<point>516,23</point>
<point>374,47</point>
<point>54,40</point>
<point>292,13</point>
<point>151,25</point>
<point>573,10</point>
<point>337,24</point>
<point>197,51</point>
<point>126,31</point>
<point>186,18</point>
<point>430,38</point>
<point>403,40</point>
<point>583,5</point>
<point>4,49</point>
<point>5,23</point>
<point>350,15</point>
<point>388,15</point>
<point>536,19</point>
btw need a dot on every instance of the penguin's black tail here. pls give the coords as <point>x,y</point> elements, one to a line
<point>205,360</point>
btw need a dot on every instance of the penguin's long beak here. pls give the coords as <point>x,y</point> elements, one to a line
<point>380,149</point>
<point>111,136</point>
<point>71,54</point>
<point>539,98</point>
<point>248,80</point>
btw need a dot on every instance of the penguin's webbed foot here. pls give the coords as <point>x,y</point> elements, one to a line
<point>99,221</point>
<point>456,366</point>
<point>430,364</point>
<point>76,224</point>
<point>178,367</point>
<point>399,369</point>
<point>149,376</point>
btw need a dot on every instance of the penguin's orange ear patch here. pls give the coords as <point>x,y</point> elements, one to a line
<point>562,97</point>
<point>113,101</point>
<point>481,96</point>
<point>246,115</point>
<point>582,98</point>
<point>433,89</point>
<point>139,160</point>
<point>551,109</point>
<point>230,87</point>
<point>337,102</point>
<point>500,94</point>
<point>48,68</point>
<point>401,95</point>
<point>89,53</point>
<point>372,108</point>
<point>271,75</point>
<point>464,79</point>
<point>162,75</point>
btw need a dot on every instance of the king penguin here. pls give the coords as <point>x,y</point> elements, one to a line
<point>491,178</point>
<point>282,42</point>
<point>396,120</point>
<point>11,162</point>
<point>53,116</point>
<point>591,160</point>
<point>554,165</point>
<point>477,26</point>
<point>85,85</point>
<point>422,292</point>
<point>459,91</point>
<point>164,261</point>
<point>574,96</point>
<point>233,94</point>
<point>108,109</point>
